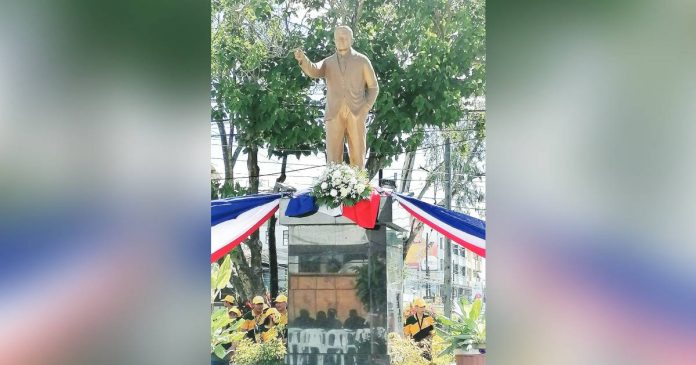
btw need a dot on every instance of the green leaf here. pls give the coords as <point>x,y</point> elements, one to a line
<point>475,309</point>
<point>224,274</point>
<point>220,352</point>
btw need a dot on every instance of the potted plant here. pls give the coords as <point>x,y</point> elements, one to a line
<point>465,333</point>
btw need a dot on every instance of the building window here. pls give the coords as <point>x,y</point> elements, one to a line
<point>441,243</point>
<point>456,269</point>
<point>286,237</point>
<point>442,264</point>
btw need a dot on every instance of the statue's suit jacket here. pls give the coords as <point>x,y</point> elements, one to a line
<point>348,87</point>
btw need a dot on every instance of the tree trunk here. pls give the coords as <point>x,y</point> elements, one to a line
<point>272,248</point>
<point>373,165</point>
<point>253,168</point>
<point>254,242</point>
<point>416,229</point>
<point>225,151</point>
<point>407,172</point>
<point>356,15</point>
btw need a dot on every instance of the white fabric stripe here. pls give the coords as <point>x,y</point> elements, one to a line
<point>334,212</point>
<point>458,233</point>
<point>225,232</point>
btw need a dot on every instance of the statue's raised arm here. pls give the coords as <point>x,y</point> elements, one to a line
<point>309,68</point>
<point>352,90</point>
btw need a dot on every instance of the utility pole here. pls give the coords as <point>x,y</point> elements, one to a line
<point>447,294</point>
<point>427,266</point>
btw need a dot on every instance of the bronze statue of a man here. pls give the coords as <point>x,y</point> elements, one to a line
<point>352,90</point>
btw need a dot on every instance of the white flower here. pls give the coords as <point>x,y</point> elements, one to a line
<point>344,192</point>
<point>324,185</point>
<point>360,187</point>
<point>353,180</point>
<point>333,192</point>
<point>336,174</point>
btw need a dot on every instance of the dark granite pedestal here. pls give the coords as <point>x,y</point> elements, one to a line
<point>337,289</point>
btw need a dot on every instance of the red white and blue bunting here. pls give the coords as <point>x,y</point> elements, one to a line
<point>234,219</point>
<point>465,230</point>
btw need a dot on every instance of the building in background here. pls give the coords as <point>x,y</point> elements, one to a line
<point>425,277</point>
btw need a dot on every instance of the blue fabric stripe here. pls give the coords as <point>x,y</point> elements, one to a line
<point>460,221</point>
<point>301,205</point>
<point>225,209</point>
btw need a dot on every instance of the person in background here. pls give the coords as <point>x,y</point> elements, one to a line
<point>332,322</point>
<point>253,319</point>
<point>267,329</point>
<point>304,320</point>
<point>321,320</point>
<point>235,314</point>
<point>420,327</point>
<point>354,321</point>
<point>228,301</point>
<point>281,305</point>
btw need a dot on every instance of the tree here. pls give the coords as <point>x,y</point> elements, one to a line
<point>468,167</point>
<point>429,56</point>
<point>265,103</point>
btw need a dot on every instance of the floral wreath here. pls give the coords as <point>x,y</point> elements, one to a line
<point>341,184</point>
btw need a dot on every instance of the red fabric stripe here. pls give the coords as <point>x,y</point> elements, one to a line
<point>364,212</point>
<point>475,249</point>
<point>227,248</point>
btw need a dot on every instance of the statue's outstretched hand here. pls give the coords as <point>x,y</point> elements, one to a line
<point>299,55</point>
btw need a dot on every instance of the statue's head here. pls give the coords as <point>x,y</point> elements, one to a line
<point>343,38</point>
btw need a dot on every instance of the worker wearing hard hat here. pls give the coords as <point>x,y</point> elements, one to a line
<point>235,314</point>
<point>254,318</point>
<point>267,329</point>
<point>228,301</point>
<point>420,327</point>
<point>281,305</point>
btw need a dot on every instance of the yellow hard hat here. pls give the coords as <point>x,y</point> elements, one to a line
<point>236,311</point>
<point>257,300</point>
<point>273,313</point>
<point>228,299</point>
<point>419,302</point>
<point>281,299</point>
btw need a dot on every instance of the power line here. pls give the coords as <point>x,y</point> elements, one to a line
<point>217,135</point>
<point>317,150</point>
<point>272,174</point>
<point>214,121</point>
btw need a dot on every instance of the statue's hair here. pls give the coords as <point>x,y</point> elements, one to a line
<point>346,28</point>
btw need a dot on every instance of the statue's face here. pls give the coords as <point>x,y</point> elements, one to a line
<point>343,40</point>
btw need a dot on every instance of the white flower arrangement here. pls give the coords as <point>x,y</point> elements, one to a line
<point>341,184</point>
